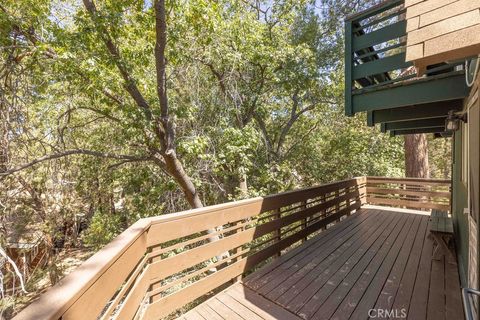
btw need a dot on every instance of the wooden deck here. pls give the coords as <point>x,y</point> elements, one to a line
<point>375,259</point>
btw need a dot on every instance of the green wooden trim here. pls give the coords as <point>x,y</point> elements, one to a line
<point>413,124</point>
<point>417,81</point>
<point>412,92</point>
<point>424,111</point>
<point>374,10</point>
<point>441,135</point>
<point>372,53</point>
<point>416,131</point>
<point>348,68</point>
<point>370,119</point>
<point>383,83</point>
<point>390,32</point>
<point>381,19</point>
<point>382,65</point>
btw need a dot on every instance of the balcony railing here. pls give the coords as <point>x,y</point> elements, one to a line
<point>421,194</point>
<point>377,75</point>
<point>161,264</point>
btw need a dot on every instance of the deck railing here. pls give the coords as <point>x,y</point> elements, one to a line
<point>161,264</point>
<point>420,194</point>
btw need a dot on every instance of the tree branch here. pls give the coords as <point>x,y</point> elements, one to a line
<point>130,84</point>
<point>15,268</point>
<point>161,69</point>
<point>74,152</point>
<point>100,112</point>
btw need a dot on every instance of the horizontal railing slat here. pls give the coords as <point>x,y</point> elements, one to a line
<point>64,296</point>
<point>378,66</point>
<point>390,32</point>
<point>417,181</point>
<point>372,190</point>
<point>374,10</point>
<point>409,203</point>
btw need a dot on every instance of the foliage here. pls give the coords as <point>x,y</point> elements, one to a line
<point>103,228</point>
<point>255,93</point>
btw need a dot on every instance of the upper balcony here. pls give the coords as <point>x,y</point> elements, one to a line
<point>379,79</point>
<point>332,251</point>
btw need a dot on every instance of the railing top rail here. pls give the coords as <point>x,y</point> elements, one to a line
<point>367,13</point>
<point>426,180</point>
<point>218,207</point>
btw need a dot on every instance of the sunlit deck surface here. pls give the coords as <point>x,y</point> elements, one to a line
<point>378,258</point>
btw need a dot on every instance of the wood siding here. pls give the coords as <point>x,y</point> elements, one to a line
<point>460,188</point>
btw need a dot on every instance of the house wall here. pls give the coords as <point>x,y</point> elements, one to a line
<point>466,186</point>
<point>441,30</point>
<point>459,200</point>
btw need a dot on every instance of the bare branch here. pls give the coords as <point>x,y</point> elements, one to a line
<point>74,152</point>
<point>293,117</point>
<point>15,268</point>
<point>100,112</point>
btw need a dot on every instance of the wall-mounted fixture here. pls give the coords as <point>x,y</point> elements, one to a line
<point>452,123</point>
<point>471,70</point>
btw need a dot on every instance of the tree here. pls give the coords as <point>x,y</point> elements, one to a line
<point>416,156</point>
<point>250,90</point>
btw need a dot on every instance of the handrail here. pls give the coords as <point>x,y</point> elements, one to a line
<point>374,48</point>
<point>467,302</point>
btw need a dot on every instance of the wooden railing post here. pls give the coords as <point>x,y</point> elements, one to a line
<point>337,205</point>
<point>235,251</point>
<point>347,191</point>
<point>304,221</point>
<point>278,232</point>
<point>323,213</point>
<point>364,188</point>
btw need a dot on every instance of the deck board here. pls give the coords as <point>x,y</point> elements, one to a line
<point>332,254</point>
<point>305,289</point>
<point>380,259</point>
<point>267,274</point>
<point>350,270</point>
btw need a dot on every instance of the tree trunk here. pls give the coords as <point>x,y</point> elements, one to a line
<point>242,186</point>
<point>416,156</point>
<point>175,169</point>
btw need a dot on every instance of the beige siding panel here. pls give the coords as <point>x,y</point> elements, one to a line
<point>461,43</point>
<point>443,27</point>
<point>409,3</point>
<point>426,6</point>
<point>448,11</point>
<point>412,24</point>
<point>414,52</point>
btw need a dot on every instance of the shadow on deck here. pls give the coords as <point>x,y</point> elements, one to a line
<point>376,263</point>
